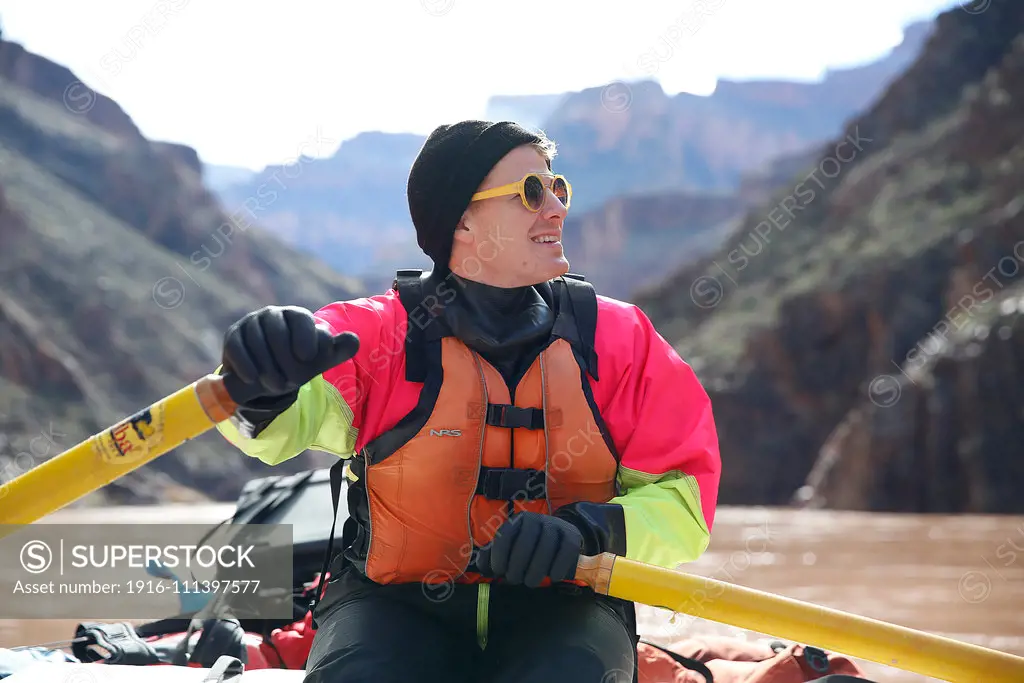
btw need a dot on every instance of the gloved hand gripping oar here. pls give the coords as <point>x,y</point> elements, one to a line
<point>829,629</point>
<point>139,439</point>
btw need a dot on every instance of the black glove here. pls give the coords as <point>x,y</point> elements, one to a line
<point>603,526</point>
<point>270,353</point>
<point>530,547</point>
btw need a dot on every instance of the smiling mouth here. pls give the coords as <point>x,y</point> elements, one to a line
<point>546,239</point>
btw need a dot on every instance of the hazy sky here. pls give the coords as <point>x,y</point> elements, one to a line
<point>247,83</point>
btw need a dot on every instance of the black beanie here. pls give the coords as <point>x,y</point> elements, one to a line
<point>448,170</point>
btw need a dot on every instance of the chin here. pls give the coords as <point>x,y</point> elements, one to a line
<point>558,268</point>
<point>546,271</point>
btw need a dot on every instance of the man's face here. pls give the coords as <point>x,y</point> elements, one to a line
<point>502,243</point>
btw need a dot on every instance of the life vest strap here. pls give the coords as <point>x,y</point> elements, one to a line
<point>505,415</point>
<point>409,285</point>
<point>508,483</point>
<point>337,475</point>
<point>580,325</point>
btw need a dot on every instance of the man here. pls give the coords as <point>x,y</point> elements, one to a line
<point>499,420</point>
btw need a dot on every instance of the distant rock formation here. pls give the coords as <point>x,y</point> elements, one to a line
<point>860,331</point>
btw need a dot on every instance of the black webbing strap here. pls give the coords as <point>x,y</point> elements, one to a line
<point>507,483</point>
<point>409,285</point>
<point>583,300</point>
<point>505,415</point>
<point>337,478</point>
<point>685,662</point>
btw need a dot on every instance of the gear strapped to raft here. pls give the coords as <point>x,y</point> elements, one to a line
<point>191,639</point>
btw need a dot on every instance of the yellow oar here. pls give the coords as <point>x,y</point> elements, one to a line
<point>828,629</point>
<point>114,452</point>
<point>135,441</point>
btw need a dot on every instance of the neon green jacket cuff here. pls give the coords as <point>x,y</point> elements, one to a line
<point>319,419</point>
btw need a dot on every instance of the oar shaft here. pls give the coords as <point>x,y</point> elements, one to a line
<point>112,453</point>
<point>829,629</point>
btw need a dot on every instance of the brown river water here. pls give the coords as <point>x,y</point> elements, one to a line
<point>957,576</point>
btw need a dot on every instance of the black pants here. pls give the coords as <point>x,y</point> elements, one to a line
<point>398,633</point>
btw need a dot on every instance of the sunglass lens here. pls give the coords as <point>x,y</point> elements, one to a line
<point>561,191</point>
<point>533,190</point>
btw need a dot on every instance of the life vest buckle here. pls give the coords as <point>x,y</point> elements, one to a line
<point>505,415</point>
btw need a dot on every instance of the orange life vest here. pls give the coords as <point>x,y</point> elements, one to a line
<point>440,483</point>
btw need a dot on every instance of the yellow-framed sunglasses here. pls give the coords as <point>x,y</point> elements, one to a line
<point>532,190</point>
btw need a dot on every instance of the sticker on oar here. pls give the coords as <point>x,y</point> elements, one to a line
<point>132,438</point>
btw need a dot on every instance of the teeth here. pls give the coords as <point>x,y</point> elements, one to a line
<point>545,238</point>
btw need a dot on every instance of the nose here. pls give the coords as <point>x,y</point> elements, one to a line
<point>553,208</point>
